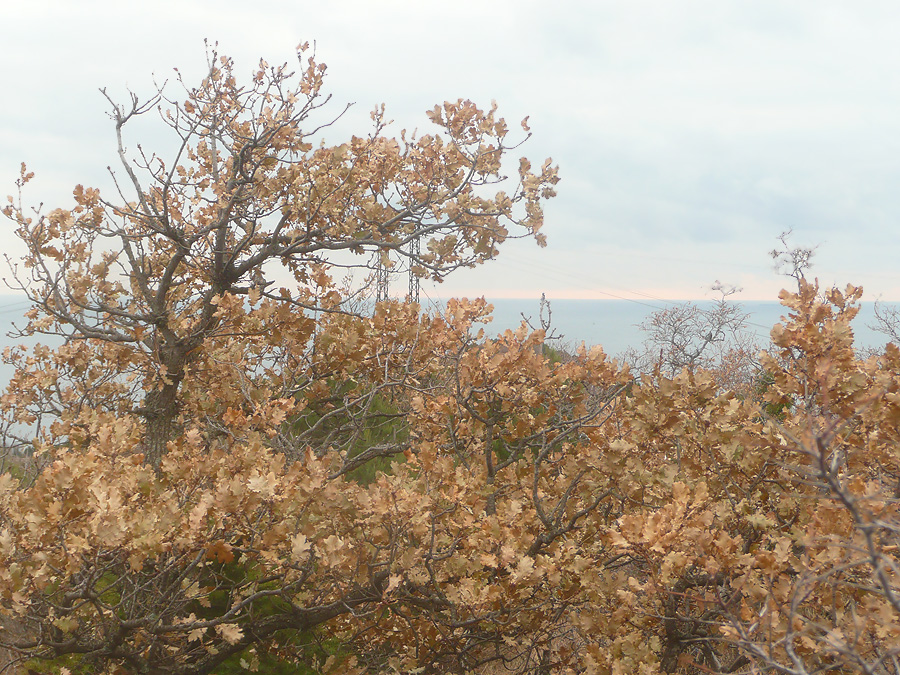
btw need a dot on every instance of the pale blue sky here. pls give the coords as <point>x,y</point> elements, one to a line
<point>689,134</point>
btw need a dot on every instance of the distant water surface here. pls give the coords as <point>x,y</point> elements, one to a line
<point>613,324</point>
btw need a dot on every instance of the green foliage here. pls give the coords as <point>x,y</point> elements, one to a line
<point>291,653</point>
<point>381,423</point>
<point>16,466</point>
<point>75,664</point>
<point>772,405</point>
<point>555,355</point>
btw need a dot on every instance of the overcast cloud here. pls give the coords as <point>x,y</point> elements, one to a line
<point>689,134</point>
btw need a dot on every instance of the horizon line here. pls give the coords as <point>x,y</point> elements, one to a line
<point>640,300</point>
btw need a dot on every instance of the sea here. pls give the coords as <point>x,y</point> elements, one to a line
<point>615,324</point>
<point>612,324</point>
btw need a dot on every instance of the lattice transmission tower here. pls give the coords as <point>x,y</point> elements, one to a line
<point>414,248</point>
<point>382,279</point>
<point>383,274</point>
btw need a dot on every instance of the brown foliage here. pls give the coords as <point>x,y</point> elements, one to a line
<point>201,436</point>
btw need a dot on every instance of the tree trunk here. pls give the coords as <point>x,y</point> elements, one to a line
<point>161,410</point>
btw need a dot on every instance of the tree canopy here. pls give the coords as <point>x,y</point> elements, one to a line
<point>238,466</point>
